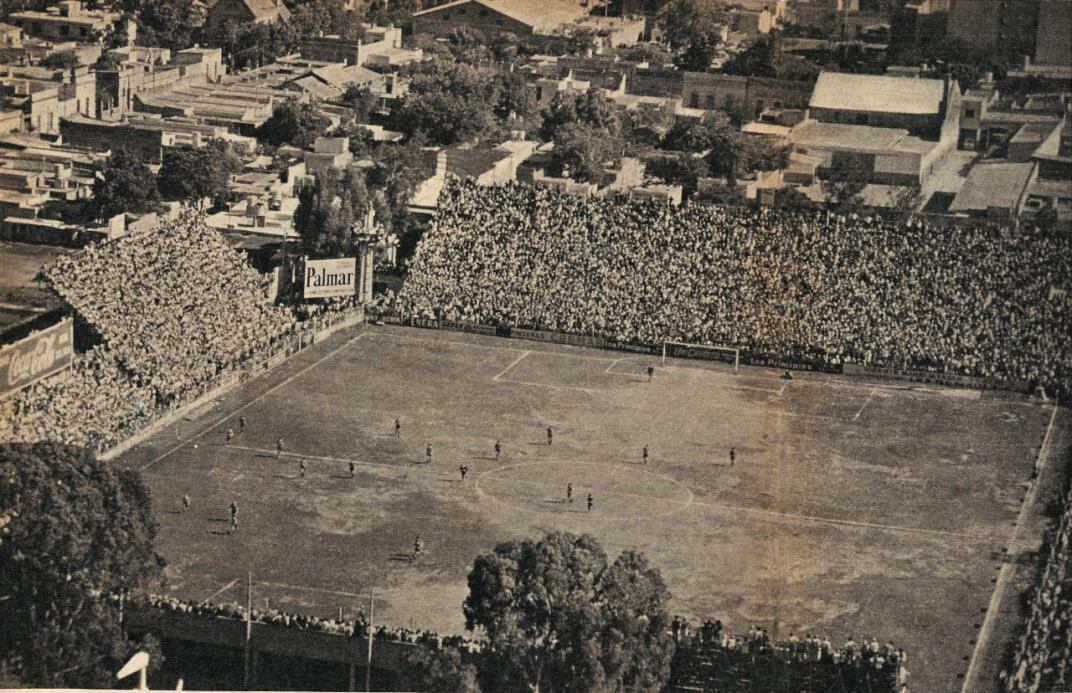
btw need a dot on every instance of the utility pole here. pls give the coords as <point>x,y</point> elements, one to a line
<point>368,659</point>
<point>249,629</point>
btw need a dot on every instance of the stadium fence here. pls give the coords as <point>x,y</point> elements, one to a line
<point>796,362</point>
<point>306,334</point>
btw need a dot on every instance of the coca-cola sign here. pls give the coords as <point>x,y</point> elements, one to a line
<point>35,357</point>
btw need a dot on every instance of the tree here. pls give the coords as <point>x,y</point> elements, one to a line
<point>76,527</point>
<point>398,171</point>
<point>713,131</point>
<point>319,17</point>
<point>592,109</point>
<point>293,122</point>
<point>449,102</point>
<point>585,152</point>
<point>360,100</point>
<point>194,174</point>
<point>167,23</point>
<point>439,671</point>
<point>328,211</point>
<point>556,615</point>
<point>63,60</point>
<point>847,178</point>
<point>764,58</point>
<point>124,184</point>
<point>679,169</point>
<point>692,27</point>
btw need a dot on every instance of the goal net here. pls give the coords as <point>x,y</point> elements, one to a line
<point>704,352</point>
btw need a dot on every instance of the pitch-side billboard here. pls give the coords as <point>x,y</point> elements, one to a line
<point>37,356</point>
<point>330,278</point>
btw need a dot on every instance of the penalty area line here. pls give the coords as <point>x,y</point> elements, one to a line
<point>512,364</point>
<point>253,401</point>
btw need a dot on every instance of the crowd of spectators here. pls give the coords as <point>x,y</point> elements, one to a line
<point>175,304</point>
<point>714,660</point>
<point>707,655</point>
<point>984,300</point>
<point>1043,657</point>
<point>177,311</point>
<point>270,616</point>
<point>94,404</point>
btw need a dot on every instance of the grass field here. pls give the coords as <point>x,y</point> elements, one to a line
<point>853,508</point>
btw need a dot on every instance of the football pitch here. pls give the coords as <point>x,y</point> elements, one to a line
<point>869,509</point>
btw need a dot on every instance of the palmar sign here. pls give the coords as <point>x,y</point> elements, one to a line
<point>329,278</point>
<point>37,356</point>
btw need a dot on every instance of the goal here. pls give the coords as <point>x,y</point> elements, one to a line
<point>704,352</point>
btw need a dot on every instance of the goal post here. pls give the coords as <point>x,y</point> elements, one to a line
<point>703,352</point>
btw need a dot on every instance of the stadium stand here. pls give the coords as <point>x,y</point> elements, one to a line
<point>706,660</point>
<point>177,313</point>
<point>1042,660</point>
<point>984,301</point>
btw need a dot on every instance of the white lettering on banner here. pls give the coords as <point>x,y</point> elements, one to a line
<point>328,278</point>
<point>36,356</point>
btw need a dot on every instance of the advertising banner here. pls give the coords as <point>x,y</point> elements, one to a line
<point>37,356</point>
<point>330,278</point>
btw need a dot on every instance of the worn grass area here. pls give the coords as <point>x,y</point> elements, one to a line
<point>20,296</point>
<point>853,508</point>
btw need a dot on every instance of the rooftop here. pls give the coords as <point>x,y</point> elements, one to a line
<point>990,185</point>
<point>858,138</point>
<point>877,94</point>
<point>545,15</point>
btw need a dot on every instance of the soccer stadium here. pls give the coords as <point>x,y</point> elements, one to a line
<point>840,440</point>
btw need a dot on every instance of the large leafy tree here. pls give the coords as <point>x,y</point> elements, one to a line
<point>124,184</point>
<point>194,174</point>
<point>328,211</point>
<point>75,527</point>
<point>691,27</point>
<point>557,616</point>
<point>592,108</point>
<point>585,151</point>
<point>293,122</point>
<point>167,23</point>
<point>447,101</point>
<point>398,172</point>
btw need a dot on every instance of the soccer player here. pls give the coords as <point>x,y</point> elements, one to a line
<point>498,450</point>
<point>278,447</point>
<point>569,492</point>
<point>550,435</point>
<point>234,515</point>
<point>464,470</point>
<point>185,502</point>
<point>645,454</point>
<point>651,373</point>
<point>589,502</point>
<point>398,428</point>
<point>230,434</point>
<point>786,375</point>
<point>351,465</point>
<point>301,468</point>
<point>241,424</point>
<point>733,456</point>
<point>428,453</point>
<point>418,547</point>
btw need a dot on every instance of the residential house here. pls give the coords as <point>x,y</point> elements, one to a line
<point>68,20</point>
<point>519,17</point>
<point>245,12</point>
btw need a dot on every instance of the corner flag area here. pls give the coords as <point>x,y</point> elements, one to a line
<point>851,508</point>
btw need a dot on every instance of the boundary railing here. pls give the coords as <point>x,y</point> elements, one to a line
<point>747,357</point>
